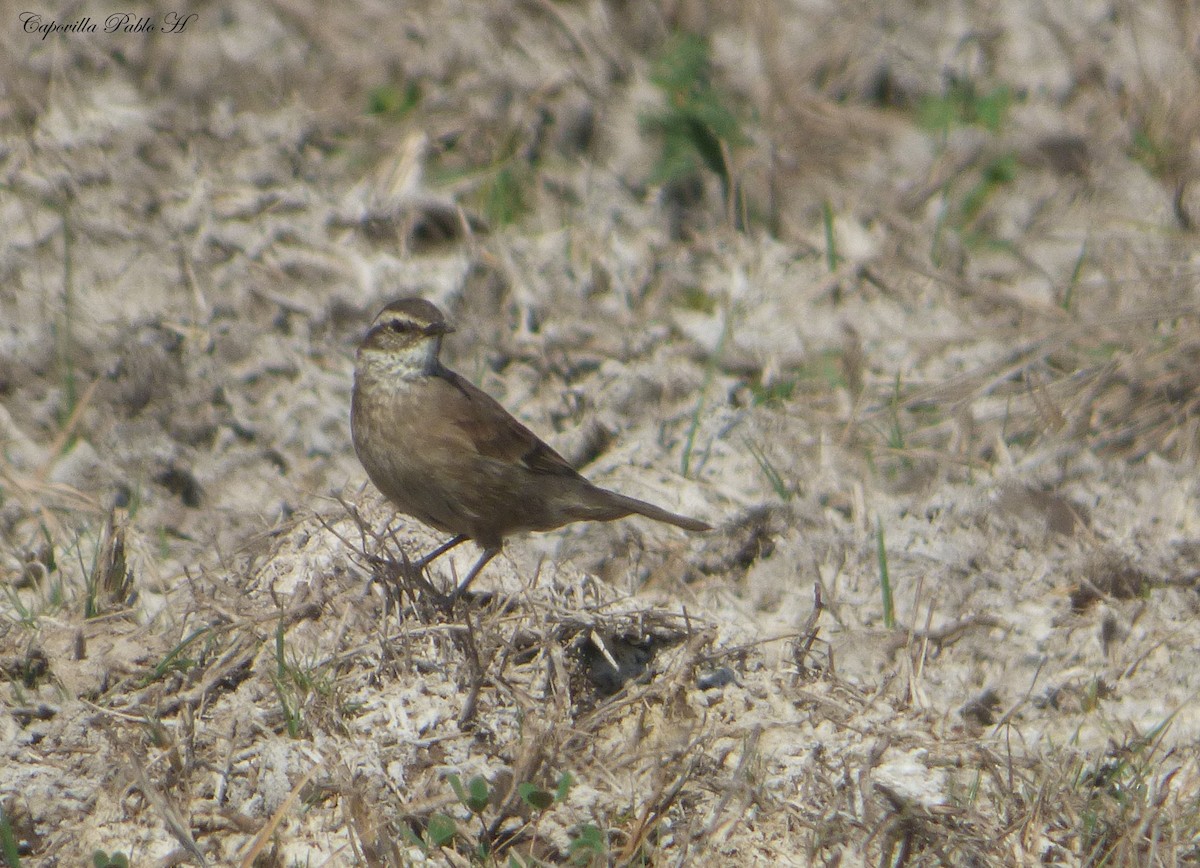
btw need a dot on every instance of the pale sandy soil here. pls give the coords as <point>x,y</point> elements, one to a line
<point>964,350</point>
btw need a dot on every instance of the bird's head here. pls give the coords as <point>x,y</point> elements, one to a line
<point>405,338</point>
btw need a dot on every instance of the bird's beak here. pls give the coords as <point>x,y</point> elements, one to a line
<point>438,329</point>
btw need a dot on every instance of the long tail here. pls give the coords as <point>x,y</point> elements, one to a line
<point>618,506</point>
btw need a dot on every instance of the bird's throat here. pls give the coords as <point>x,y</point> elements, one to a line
<point>400,365</point>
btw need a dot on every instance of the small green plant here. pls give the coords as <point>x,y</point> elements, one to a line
<point>885,581</point>
<point>773,476</point>
<point>294,682</point>
<point>289,705</point>
<point>8,841</point>
<point>505,197</point>
<point>1121,794</point>
<point>821,370</point>
<point>475,796</point>
<point>774,394</point>
<point>1157,154</point>
<point>710,373</point>
<point>895,432</point>
<point>164,543</point>
<point>100,859</point>
<point>499,189</point>
<point>46,555</point>
<point>56,597</point>
<point>695,298</point>
<point>534,796</point>
<point>962,214</point>
<point>832,259</point>
<point>41,587</point>
<point>491,808</point>
<point>696,130</point>
<point>1069,294</point>
<point>961,103</point>
<point>176,659</point>
<point>393,101</point>
<point>24,614</point>
<point>26,673</point>
<point>439,831</point>
<point>994,175</point>
<point>588,846</point>
<point>109,582</point>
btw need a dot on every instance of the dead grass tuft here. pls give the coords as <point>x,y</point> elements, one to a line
<point>906,302</point>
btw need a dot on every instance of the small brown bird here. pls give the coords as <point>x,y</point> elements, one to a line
<point>446,453</point>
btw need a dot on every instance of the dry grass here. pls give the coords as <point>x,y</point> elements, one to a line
<point>909,297</point>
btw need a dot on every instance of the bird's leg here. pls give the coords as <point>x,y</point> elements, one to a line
<point>440,550</point>
<point>414,571</point>
<point>488,554</point>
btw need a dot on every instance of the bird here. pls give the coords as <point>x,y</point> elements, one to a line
<point>446,453</point>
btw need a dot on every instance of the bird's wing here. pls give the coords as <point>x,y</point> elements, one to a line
<point>492,431</point>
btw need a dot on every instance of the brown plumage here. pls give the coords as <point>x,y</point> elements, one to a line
<point>444,452</point>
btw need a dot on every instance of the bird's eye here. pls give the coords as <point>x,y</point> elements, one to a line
<point>398,326</point>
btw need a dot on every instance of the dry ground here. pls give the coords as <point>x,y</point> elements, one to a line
<point>901,297</point>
